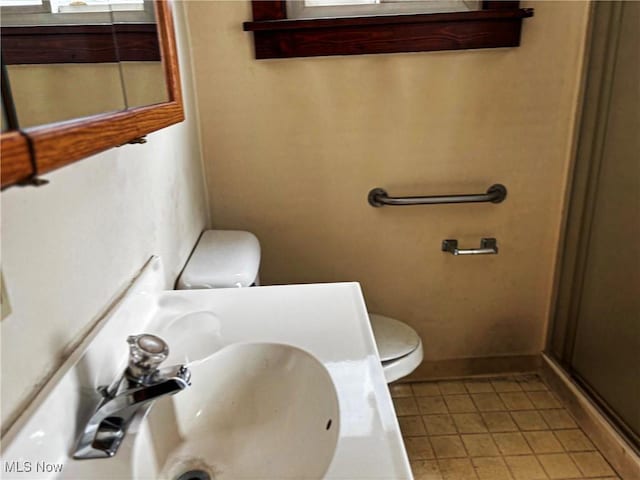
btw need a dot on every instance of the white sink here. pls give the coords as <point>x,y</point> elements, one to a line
<point>254,410</point>
<point>286,384</point>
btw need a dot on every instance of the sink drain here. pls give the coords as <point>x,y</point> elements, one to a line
<point>194,475</point>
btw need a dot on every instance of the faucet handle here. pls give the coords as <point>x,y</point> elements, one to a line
<point>146,352</point>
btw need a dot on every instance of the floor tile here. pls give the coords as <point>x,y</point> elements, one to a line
<point>405,406</point>
<point>448,446</point>
<point>559,465</point>
<point>529,420</point>
<point>506,385</point>
<point>480,445</point>
<point>411,426</point>
<point>525,467</point>
<point>430,405</point>
<point>419,448</point>
<point>488,402</point>
<point>439,424</point>
<point>511,443</point>
<point>400,390</point>
<point>457,469</point>
<point>469,423</point>
<point>452,388</point>
<point>517,400</point>
<point>574,440</point>
<point>426,470</point>
<point>544,400</point>
<point>459,403</point>
<point>479,386</point>
<point>543,442</point>
<point>592,464</point>
<point>558,418</point>
<point>425,389</point>
<point>499,422</point>
<point>499,428</point>
<point>491,468</point>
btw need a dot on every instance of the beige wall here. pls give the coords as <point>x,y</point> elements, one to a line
<point>293,146</point>
<point>68,248</point>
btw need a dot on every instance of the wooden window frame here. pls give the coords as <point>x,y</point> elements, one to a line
<point>497,24</point>
<point>33,35</point>
<point>33,151</point>
<point>48,44</point>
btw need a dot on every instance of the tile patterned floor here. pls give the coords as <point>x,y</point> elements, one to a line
<point>506,428</point>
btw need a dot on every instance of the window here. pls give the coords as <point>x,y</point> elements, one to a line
<point>73,12</point>
<point>19,3</point>
<point>85,6</point>
<point>278,33</point>
<point>348,8</point>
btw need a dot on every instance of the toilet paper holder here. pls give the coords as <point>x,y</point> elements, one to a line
<point>488,246</point>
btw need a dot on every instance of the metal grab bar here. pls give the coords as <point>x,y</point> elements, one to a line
<point>378,197</point>
<point>488,246</point>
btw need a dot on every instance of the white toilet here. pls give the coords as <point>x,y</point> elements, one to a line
<point>231,258</point>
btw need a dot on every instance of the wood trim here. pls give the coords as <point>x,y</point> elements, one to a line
<point>60,144</point>
<point>275,36</point>
<point>269,10</point>
<point>499,4</point>
<point>63,144</point>
<point>169,52</point>
<point>138,42</point>
<point>16,161</point>
<point>386,39</point>
<point>80,44</point>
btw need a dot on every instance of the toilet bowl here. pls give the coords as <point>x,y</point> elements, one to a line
<point>231,258</point>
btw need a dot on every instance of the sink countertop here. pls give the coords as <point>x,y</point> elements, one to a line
<point>329,321</point>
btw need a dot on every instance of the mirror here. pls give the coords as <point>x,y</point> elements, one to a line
<point>67,59</point>
<point>5,122</point>
<point>60,65</point>
<point>133,49</point>
<point>9,120</point>
<point>141,68</point>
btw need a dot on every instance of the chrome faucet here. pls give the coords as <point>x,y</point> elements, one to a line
<point>141,383</point>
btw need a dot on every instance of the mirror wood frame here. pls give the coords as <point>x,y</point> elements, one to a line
<point>34,151</point>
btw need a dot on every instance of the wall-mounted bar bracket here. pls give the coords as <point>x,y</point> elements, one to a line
<point>488,246</point>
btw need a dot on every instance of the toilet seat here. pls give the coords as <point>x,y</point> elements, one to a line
<point>399,346</point>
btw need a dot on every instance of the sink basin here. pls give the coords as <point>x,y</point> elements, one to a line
<point>254,410</point>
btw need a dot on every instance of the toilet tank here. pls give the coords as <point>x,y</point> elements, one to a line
<point>222,259</point>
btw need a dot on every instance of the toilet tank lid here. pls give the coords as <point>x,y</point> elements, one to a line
<point>222,258</point>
